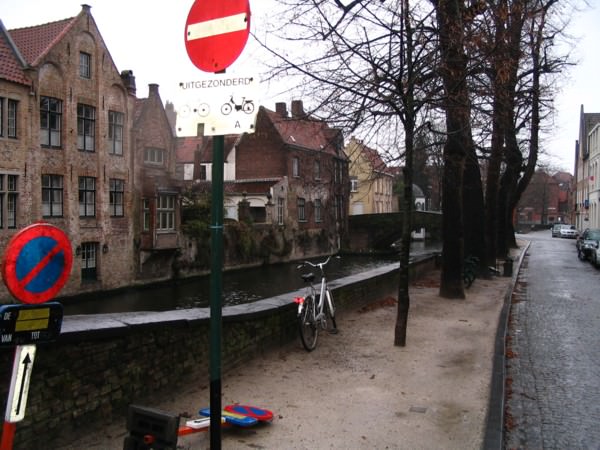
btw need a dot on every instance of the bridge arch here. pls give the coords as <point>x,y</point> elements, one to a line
<point>377,232</point>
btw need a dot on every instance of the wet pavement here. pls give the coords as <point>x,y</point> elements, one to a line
<point>553,350</point>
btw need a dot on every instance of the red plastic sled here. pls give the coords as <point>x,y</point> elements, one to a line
<point>262,415</point>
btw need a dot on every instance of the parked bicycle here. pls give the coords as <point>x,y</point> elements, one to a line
<point>316,310</point>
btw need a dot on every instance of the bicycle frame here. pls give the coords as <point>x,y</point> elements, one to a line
<point>323,292</point>
<point>320,315</point>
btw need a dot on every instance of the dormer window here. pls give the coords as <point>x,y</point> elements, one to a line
<point>85,65</point>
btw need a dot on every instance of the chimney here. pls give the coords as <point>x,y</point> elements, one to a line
<point>86,8</point>
<point>128,81</point>
<point>281,109</point>
<point>152,90</point>
<point>297,109</point>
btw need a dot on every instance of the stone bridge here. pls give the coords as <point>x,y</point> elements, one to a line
<point>377,232</point>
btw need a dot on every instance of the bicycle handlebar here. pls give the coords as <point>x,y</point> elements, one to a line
<point>320,265</point>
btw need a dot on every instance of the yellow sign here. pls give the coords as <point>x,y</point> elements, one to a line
<point>32,319</point>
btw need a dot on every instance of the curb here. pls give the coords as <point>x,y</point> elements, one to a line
<point>494,429</point>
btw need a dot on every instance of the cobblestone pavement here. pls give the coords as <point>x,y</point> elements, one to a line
<point>553,351</point>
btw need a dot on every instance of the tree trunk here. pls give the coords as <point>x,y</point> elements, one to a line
<point>407,219</point>
<point>456,104</point>
<point>474,212</point>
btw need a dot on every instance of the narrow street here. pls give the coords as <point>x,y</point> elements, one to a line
<point>553,350</point>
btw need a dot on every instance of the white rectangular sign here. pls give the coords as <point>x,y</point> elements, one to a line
<point>222,104</point>
<point>19,383</point>
<point>213,27</point>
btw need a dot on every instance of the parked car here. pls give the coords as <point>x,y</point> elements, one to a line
<point>568,231</point>
<point>579,242</point>
<point>556,229</point>
<point>564,230</point>
<point>595,257</point>
<point>588,243</point>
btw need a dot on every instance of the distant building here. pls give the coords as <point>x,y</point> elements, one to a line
<point>371,181</point>
<point>547,200</point>
<point>291,172</point>
<point>587,122</point>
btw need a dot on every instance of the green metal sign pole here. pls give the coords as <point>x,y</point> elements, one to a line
<point>216,282</point>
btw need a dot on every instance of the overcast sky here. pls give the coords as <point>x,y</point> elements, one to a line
<point>147,36</point>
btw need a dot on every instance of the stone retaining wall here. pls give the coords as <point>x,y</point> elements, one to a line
<point>101,364</point>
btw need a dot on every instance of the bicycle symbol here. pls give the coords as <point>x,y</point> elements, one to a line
<point>246,106</point>
<point>203,109</point>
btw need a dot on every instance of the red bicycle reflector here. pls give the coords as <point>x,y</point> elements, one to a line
<point>299,300</point>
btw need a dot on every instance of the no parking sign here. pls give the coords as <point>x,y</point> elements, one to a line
<point>37,263</point>
<point>35,266</point>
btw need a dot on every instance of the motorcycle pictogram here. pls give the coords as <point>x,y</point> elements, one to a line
<point>246,106</point>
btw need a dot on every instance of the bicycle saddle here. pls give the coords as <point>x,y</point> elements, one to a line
<point>308,277</point>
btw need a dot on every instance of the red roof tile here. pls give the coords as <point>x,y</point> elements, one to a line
<point>11,68</point>
<point>34,42</point>
<point>305,132</point>
<point>374,158</point>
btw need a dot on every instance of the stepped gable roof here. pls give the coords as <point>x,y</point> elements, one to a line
<point>305,132</point>
<point>36,41</point>
<point>374,158</point>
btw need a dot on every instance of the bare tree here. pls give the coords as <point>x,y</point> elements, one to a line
<point>370,69</point>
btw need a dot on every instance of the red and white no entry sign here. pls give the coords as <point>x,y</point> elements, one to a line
<point>216,33</point>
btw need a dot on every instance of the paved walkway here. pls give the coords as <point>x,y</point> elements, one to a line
<point>357,390</point>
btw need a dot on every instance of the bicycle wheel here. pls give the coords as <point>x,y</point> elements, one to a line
<point>309,331</point>
<point>330,313</point>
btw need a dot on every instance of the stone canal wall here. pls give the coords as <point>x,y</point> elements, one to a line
<point>102,363</point>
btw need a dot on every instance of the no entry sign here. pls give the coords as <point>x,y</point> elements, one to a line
<point>37,263</point>
<point>216,33</point>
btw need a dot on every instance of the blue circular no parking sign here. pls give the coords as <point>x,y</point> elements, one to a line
<point>37,263</point>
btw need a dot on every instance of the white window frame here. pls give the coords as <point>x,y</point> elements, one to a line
<point>116,194</point>
<point>87,197</point>
<point>85,65</point>
<point>51,116</point>
<point>52,195</point>
<point>165,213</point>
<point>86,127</point>
<point>115,132</point>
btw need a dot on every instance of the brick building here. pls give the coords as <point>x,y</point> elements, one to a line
<point>547,200</point>
<point>291,172</point>
<point>69,155</point>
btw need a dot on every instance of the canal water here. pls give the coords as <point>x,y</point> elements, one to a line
<point>239,286</point>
